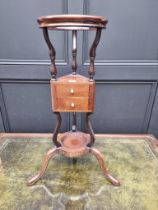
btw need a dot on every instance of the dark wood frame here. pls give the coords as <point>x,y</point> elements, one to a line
<point>83,142</point>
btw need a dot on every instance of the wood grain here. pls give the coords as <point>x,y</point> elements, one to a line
<point>72,93</point>
<point>70,21</point>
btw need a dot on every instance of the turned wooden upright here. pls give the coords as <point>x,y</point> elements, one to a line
<point>73,93</point>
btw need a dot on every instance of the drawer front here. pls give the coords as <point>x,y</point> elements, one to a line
<point>71,104</point>
<point>72,90</point>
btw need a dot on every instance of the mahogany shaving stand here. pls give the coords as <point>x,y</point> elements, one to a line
<point>73,93</point>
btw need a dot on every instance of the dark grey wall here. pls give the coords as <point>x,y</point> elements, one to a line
<point>1,123</point>
<point>126,65</point>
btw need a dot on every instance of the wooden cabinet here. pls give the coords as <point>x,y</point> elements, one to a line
<point>72,93</point>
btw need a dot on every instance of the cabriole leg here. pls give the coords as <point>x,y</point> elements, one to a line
<point>103,166</point>
<point>45,162</point>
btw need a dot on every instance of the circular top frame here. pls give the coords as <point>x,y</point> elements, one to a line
<point>72,22</point>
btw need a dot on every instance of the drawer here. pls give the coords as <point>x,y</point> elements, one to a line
<point>71,90</point>
<point>71,104</point>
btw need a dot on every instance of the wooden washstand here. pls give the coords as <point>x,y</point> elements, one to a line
<point>73,93</point>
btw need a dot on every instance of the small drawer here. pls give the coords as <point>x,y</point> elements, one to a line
<point>72,90</point>
<point>71,104</point>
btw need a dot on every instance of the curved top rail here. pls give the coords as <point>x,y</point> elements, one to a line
<point>72,22</point>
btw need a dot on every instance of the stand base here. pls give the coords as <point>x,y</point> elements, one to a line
<point>74,144</point>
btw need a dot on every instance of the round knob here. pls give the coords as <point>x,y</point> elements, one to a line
<point>72,105</point>
<point>72,91</point>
